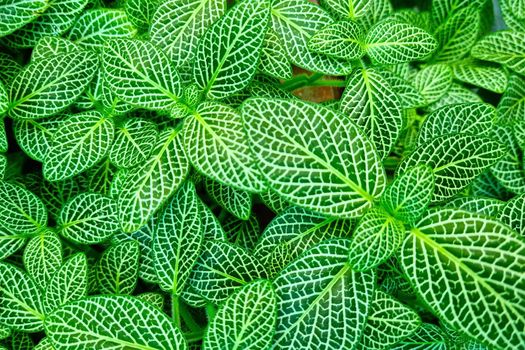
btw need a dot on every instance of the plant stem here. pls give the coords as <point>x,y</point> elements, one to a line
<point>328,82</point>
<point>188,320</point>
<point>211,311</point>
<point>175,309</point>
<point>301,80</point>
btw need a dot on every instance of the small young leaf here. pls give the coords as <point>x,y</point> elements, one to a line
<point>342,40</point>
<point>433,81</point>
<point>43,256</point>
<point>21,211</point>
<point>117,269</point>
<point>244,233</point>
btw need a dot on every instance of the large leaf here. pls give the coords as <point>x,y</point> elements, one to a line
<point>302,151</point>
<point>47,86</point>
<point>134,141</point>
<point>318,289</point>
<point>17,13</point>
<point>21,211</point>
<point>467,267</point>
<point>504,47</point>
<point>43,256</point>
<point>344,40</point>
<point>112,322</point>
<point>117,269</point>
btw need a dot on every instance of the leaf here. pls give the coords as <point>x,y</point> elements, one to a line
<point>244,233</point>
<point>211,227</point>
<point>333,160</point>
<point>10,243</point>
<point>274,57</point>
<point>21,211</point>
<point>221,269</point>
<point>477,264</point>
<point>433,81</point>
<point>342,40</point>
<point>296,21</point>
<point>151,183</point>
<point>456,94</point>
<point>347,9</point>
<point>20,300</point>
<point>35,136</point>
<point>427,337</point>
<point>480,205</point>
<point>320,288</point>
<point>487,77</point>
<point>392,42</point>
<point>245,320</point>
<point>46,87</point>
<point>77,325</point>
<point>512,104</point>
<point>43,256</point>
<point>408,95</point>
<point>443,9</point>
<point>178,25</point>
<point>17,13</point>
<point>11,68</point>
<point>377,11</point>
<point>4,102</point>
<point>177,240</point>
<point>486,185</point>
<point>456,159</point>
<point>217,146</point>
<point>44,344</point>
<point>139,73</point>
<point>389,321</point>
<point>228,53</point>
<point>503,47</point>
<point>88,218</point>
<point>155,299</point>
<point>80,142</point>
<point>371,102</point>
<point>5,332</point>
<point>95,27</point>
<point>236,202</point>
<point>68,284</point>
<point>117,269</point>
<point>50,46</point>
<point>518,6</point>
<point>509,169</point>
<point>140,12</point>
<point>513,214</point>
<point>133,144</point>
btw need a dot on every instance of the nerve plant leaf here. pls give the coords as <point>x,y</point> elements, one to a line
<point>117,269</point>
<point>344,40</point>
<point>134,141</point>
<point>352,9</point>
<point>236,202</point>
<point>504,47</point>
<point>17,13</point>
<point>274,57</point>
<point>21,211</point>
<point>513,214</point>
<point>43,256</point>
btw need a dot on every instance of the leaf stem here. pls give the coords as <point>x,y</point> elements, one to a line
<point>175,310</point>
<point>188,319</point>
<point>301,80</point>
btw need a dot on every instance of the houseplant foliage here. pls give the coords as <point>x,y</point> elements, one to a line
<point>164,187</point>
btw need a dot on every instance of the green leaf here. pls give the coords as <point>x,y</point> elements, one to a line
<point>88,218</point>
<point>518,7</point>
<point>178,25</point>
<point>274,57</point>
<point>69,283</point>
<point>512,104</point>
<point>95,27</point>
<point>140,12</point>
<point>150,184</point>
<point>433,81</point>
<point>487,77</point>
<point>340,163</point>
<point>371,102</point>
<point>21,341</point>
<point>228,53</point>
<point>468,267</point>
<point>377,11</point>
<point>126,322</point>
<point>504,47</point>
<point>10,243</point>
<point>80,142</point>
<point>178,239</point>
<point>11,68</point>
<point>443,9</point>
<point>245,320</point>
<point>5,332</point>
<point>236,202</point>
<point>480,205</point>
<point>317,289</point>
<point>509,171</point>
<point>43,256</point>
<point>47,86</point>
<point>155,299</point>
<point>4,101</point>
<point>44,344</point>
<point>342,40</point>
<point>296,21</point>
<point>513,214</point>
<point>456,160</point>
<point>389,321</point>
<point>347,9</point>
<point>455,95</point>
<point>217,146</point>
<point>427,337</point>
<point>139,73</point>
<point>211,227</point>
<point>134,141</point>
<point>20,300</point>
<point>17,13</point>
<point>486,185</point>
<point>117,269</point>
<point>21,211</point>
<point>244,233</point>
<point>221,269</point>
<point>408,95</point>
<point>392,42</point>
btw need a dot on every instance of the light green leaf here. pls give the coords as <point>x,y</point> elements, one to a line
<point>150,184</point>
<point>11,68</point>
<point>217,146</point>
<point>505,47</point>
<point>155,299</point>
<point>512,104</point>
<point>296,21</point>
<point>88,218</point>
<point>78,326</point>
<point>371,102</point>
<point>377,11</point>
<point>427,337</point>
<point>80,142</point>
<point>509,16</point>
<point>117,269</point>
<point>455,95</point>
<point>5,332</point>
<point>21,341</point>
<point>480,205</point>
<point>245,321</point>
<point>433,81</point>
<point>21,211</point>
<point>50,46</point>
<point>4,101</point>
<point>392,42</point>
<point>408,95</point>
<point>456,160</point>
<point>414,17</point>
<point>317,289</point>
<point>48,86</point>
<point>490,78</point>
<point>236,202</point>
<point>518,7</point>
<point>347,9</point>
<point>44,344</point>
<point>468,267</point>
<point>10,243</point>
<point>509,170</point>
<point>178,239</point>
<point>134,141</point>
<point>140,12</point>
<point>17,13</point>
<point>43,256</point>
<point>140,74</point>
<point>20,300</point>
<point>342,40</point>
<point>244,233</point>
<point>274,57</point>
<point>273,201</point>
<point>513,214</point>
<point>339,162</point>
<point>443,9</point>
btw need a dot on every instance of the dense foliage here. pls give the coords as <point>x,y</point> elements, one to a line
<point>163,185</point>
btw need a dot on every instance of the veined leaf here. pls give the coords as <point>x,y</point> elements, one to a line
<point>408,95</point>
<point>11,68</point>
<point>347,9</point>
<point>321,287</point>
<point>509,170</point>
<point>371,102</point>
<point>45,87</point>
<point>512,104</point>
<point>443,9</point>
<point>211,227</point>
<point>17,13</point>
<point>155,299</point>
<point>273,201</point>
<point>44,344</point>
<point>344,40</point>
<point>217,146</point>
<point>78,325</point>
<point>274,57</point>
<point>227,56</point>
<point>518,7</point>
<point>433,81</point>
<point>420,19</point>
<point>20,300</point>
<point>426,337</point>
<point>88,218</point>
<point>468,267</point>
<point>117,269</point>
<point>10,243</point>
<point>490,78</point>
<point>178,239</point>
<point>50,46</point>
<point>505,47</point>
<point>5,332</point>
<point>80,142</point>
<point>4,102</point>
<point>141,74</point>
<point>140,12</point>
<point>236,202</point>
<point>133,143</point>
<point>392,42</point>
<point>513,214</point>
<point>244,233</point>
<point>377,11</point>
<point>149,185</point>
<point>245,320</point>
<point>456,94</point>
<point>43,256</point>
<point>455,159</point>
<point>480,205</point>
<point>21,211</point>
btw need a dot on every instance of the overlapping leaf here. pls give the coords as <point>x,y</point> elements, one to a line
<point>480,205</point>
<point>512,104</point>
<point>344,40</point>
<point>17,13</point>
<point>487,77</point>
<point>427,337</point>
<point>133,144</point>
<point>274,57</point>
<point>352,9</point>
<point>504,47</point>
<point>237,202</point>
<point>43,256</point>
<point>433,81</point>
<point>117,269</point>
<point>21,211</point>
<point>513,214</point>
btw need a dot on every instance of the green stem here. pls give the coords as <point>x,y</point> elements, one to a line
<point>188,320</point>
<point>211,311</point>
<point>326,82</point>
<point>175,309</point>
<point>300,81</point>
